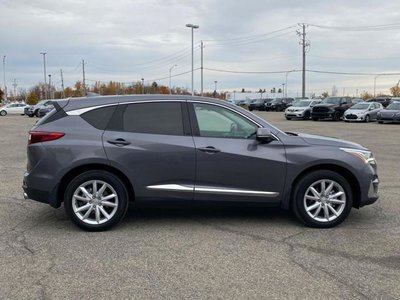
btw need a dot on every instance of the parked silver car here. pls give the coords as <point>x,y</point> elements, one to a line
<point>363,111</point>
<point>301,109</point>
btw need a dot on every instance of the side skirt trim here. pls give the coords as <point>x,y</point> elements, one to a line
<point>211,190</point>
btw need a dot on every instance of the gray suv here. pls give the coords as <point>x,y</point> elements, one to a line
<point>98,155</point>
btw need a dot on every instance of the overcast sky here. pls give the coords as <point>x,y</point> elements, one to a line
<point>126,40</point>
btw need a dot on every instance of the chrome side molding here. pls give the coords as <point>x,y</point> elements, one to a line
<point>211,190</point>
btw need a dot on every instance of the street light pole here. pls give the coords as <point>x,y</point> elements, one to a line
<point>170,70</point>
<point>44,74</point>
<point>192,26</point>
<point>375,83</point>
<point>142,85</point>
<point>4,77</point>
<point>286,76</point>
<point>50,86</point>
<point>215,88</point>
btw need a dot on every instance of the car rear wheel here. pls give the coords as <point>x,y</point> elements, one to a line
<point>336,116</point>
<point>96,200</point>
<point>3,113</point>
<point>322,199</point>
<point>306,115</point>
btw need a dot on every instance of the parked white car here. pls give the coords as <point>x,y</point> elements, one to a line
<point>301,109</point>
<point>13,109</point>
<point>363,111</point>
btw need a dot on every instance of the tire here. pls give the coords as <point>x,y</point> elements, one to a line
<point>336,116</point>
<point>367,119</point>
<point>380,122</point>
<point>307,115</point>
<point>36,113</point>
<point>315,118</point>
<point>94,217</point>
<point>3,113</point>
<point>319,214</point>
<point>287,118</point>
<point>30,116</point>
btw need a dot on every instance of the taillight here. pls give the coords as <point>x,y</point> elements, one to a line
<point>43,136</point>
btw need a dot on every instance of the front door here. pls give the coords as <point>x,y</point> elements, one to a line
<point>231,164</point>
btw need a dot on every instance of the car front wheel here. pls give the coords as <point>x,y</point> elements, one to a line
<point>322,199</point>
<point>96,200</point>
<point>3,113</point>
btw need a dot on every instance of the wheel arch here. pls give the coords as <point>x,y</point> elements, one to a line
<point>89,167</point>
<point>346,173</point>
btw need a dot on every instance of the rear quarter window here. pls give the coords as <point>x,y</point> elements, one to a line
<point>99,117</point>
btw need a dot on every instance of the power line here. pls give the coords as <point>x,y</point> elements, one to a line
<point>251,37</point>
<point>382,27</point>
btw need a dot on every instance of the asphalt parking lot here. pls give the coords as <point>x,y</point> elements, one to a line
<point>207,253</point>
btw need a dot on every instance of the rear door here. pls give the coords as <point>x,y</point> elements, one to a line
<point>152,143</point>
<point>231,164</point>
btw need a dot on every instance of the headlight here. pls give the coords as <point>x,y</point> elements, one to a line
<point>365,155</point>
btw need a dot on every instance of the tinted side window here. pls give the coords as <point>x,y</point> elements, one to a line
<point>153,118</point>
<point>99,117</point>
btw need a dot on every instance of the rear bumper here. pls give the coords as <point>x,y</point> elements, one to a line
<point>40,195</point>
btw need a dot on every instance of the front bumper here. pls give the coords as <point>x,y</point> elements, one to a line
<point>353,119</point>
<point>294,114</point>
<point>322,115</point>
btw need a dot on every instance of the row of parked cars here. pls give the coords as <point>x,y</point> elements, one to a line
<point>335,108</point>
<point>20,108</point>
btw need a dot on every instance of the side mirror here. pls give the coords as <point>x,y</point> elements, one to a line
<point>264,135</point>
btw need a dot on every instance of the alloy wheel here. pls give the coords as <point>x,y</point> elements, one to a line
<point>95,202</point>
<point>324,200</point>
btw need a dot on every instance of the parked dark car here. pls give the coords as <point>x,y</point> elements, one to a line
<point>278,104</point>
<point>99,155</point>
<point>45,110</point>
<point>34,110</point>
<point>331,108</point>
<point>259,104</point>
<point>385,101</point>
<point>390,114</point>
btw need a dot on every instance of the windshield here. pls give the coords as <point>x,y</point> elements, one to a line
<point>303,103</point>
<point>260,101</point>
<point>332,100</point>
<point>278,100</point>
<point>394,106</point>
<point>360,106</point>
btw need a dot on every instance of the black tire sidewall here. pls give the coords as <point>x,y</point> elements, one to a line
<point>305,182</point>
<point>105,176</point>
<point>3,113</point>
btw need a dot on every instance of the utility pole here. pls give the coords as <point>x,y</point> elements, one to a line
<point>192,27</point>
<point>15,88</point>
<point>304,43</point>
<point>4,77</point>
<point>201,68</point>
<point>62,84</point>
<point>50,93</point>
<point>83,77</point>
<point>44,74</point>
